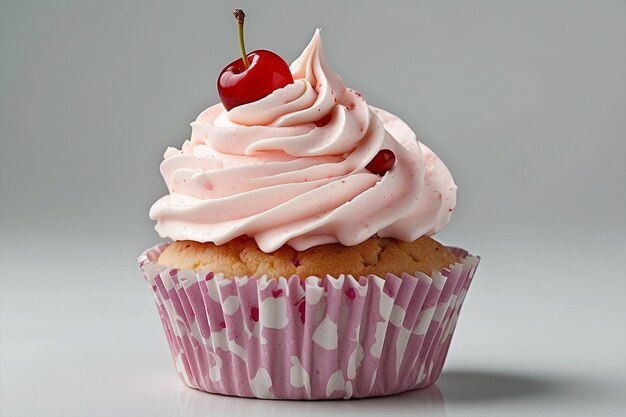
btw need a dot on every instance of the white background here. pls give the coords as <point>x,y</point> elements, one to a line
<point>525,102</point>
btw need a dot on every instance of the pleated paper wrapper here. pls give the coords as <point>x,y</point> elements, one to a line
<point>312,338</point>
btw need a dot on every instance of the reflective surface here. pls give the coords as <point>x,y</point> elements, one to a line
<point>545,336</point>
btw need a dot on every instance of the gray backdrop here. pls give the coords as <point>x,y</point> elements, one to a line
<point>524,101</point>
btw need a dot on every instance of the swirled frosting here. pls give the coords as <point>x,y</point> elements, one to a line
<point>290,169</point>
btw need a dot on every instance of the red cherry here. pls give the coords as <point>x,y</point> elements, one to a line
<point>239,85</point>
<point>253,76</point>
<point>382,162</point>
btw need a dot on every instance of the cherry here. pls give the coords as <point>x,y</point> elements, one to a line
<point>382,162</point>
<point>253,76</point>
<point>239,85</point>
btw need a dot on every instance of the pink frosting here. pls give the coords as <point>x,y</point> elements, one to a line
<point>290,169</point>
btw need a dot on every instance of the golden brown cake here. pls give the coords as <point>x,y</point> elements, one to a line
<point>378,256</point>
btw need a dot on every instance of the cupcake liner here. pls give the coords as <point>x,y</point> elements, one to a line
<point>317,338</point>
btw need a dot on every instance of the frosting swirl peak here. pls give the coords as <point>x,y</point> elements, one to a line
<point>290,169</point>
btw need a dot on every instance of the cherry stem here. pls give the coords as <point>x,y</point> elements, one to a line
<point>240,16</point>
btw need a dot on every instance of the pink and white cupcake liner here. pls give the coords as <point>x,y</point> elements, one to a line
<point>317,338</point>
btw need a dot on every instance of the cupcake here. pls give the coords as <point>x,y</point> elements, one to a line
<point>301,264</point>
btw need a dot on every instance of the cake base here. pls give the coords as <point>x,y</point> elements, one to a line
<point>375,256</point>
